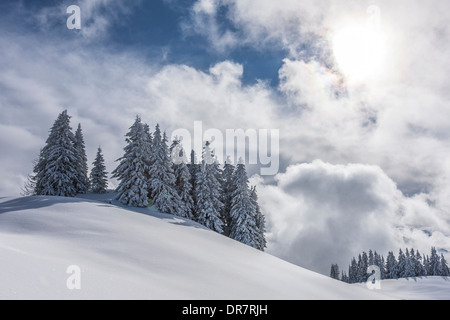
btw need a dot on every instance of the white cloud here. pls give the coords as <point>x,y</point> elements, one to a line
<point>321,214</point>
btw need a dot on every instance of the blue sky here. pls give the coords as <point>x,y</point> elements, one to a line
<point>152,29</point>
<point>356,126</point>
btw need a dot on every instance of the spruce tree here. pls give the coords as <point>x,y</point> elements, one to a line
<point>353,271</point>
<point>434,263</point>
<point>183,180</point>
<point>56,173</point>
<point>132,171</point>
<point>227,195</point>
<point>208,213</point>
<point>82,180</point>
<point>444,271</point>
<point>364,267</point>
<point>420,269</point>
<point>378,260</point>
<point>243,212</point>
<point>371,258</point>
<point>99,176</point>
<point>383,268</point>
<point>344,277</point>
<point>194,168</point>
<point>391,266</point>
<point>401,264</point>
<point>409,265</point>
<point>162,178</point>
<point>334,273</point>
<point>427,265</point>
<point>260,220</point>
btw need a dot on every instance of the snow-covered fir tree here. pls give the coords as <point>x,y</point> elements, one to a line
<point>207,200</point>
<point>56,173</point>
<point>227,195</point>
<point>83,179</point>
<point>344,277</point>
<point>382,268</point>
<point>371,258</point>
<point>194,168</point>
<point>409,265</point>
<point>378,261</point>
<point>133,169</point>
<point>435,262</point>
<point>391,266</point>
<point>444,270</point>
<point>182,180</point>
<point>260,220</point>
<point>162,178</point>
<point>363,267</point>
<point>353,271</point>
<point>401,264</point>
<point>419,267</point>
<point>427,265</point>
<point>243,213</point>
<point>99,176</point>
<point>334,273</point>
<point>212,174</point>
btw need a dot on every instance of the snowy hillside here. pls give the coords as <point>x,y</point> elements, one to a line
<point>129,255</point>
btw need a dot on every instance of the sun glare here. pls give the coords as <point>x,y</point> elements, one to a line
<point>359,52</point>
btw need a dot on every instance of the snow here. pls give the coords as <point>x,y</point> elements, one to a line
<point>423,288</point>
<point>128,253</point>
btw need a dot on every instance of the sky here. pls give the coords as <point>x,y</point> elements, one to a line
<point>357,90</point>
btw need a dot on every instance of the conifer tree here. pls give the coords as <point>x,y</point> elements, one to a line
<point>444,271</point>
<point>371,258</point>
<point>427,265</point>
<point>162,178</point>
<point>434,262</point>
<point>419,267</point>
<point>344,277</point>
<point>133,169</point>
<point>260,220</point>
<point>353,271</point>
<point>409,265</point>
<point>243,212</point>
<point>194,168</point>
<point>82,179</point>
<point>56,173</point>
<point>99,176</point>
<point>401,264</point>
<point>334,273</point>
<point>182,179</point>
<point>227,196</point>
<point>208,212</point>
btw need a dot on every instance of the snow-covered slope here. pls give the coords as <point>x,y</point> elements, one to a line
<point>125,254</point>
<point>426,288</point>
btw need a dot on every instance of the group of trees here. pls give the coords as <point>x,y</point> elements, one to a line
<point>62,169</point>
<point>408,264</point>
<point>152,173</point>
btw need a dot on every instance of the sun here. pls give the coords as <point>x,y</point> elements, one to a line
<point>359,52</point>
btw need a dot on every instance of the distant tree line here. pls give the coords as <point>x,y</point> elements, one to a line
<point>407,264</point>
<point>152,173</point>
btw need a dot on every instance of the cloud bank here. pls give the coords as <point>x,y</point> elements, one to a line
<point>319,213</point>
